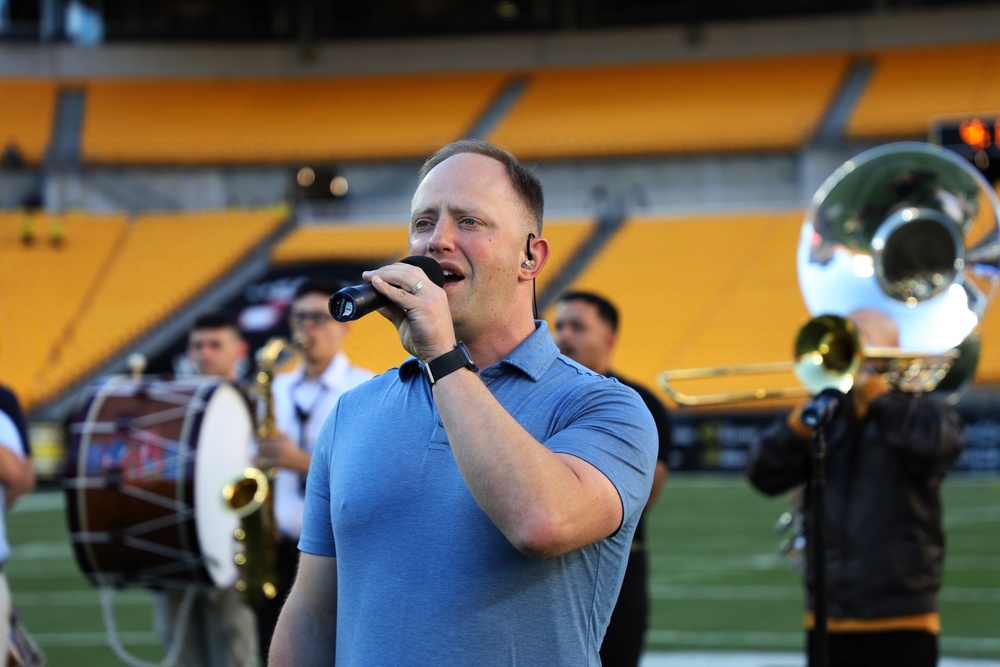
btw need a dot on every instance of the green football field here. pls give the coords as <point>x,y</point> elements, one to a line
<point>717,582</point>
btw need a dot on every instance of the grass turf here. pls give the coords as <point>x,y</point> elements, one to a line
<point>717,581</point>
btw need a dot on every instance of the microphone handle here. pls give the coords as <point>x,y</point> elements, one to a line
<point>351,303</point>
<point>822,409</point>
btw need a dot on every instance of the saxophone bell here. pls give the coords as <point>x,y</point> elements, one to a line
<point>246,494</point>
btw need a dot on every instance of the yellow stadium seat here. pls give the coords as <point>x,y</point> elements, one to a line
<point>205,121</point>
<point>153,266</point>
<point>711,105</point>
<point>27,107</point>
<point>909,88</point>
<point>45,290</point>
<point>702,291</point>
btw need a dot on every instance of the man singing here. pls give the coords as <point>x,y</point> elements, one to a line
<point>475,506</point>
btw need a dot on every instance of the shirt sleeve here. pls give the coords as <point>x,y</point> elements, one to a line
<point>614,431</point>
<point>9,436</point>
<point>10,405</point>
<point>662,419</point>
<point>926,433</point>
<point>779,461</point>
<point>317,527</point>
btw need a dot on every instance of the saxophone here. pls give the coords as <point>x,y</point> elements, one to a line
<point>251,497</point>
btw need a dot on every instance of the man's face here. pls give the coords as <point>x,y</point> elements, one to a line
<point>216,351</point>
<point>583,336</point>
<point>466,215</point>
<point>319,335</point>
<point>877,330</point>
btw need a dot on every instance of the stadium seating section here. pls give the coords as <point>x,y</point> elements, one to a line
<point>45,289</point>
<point>718,105</point>
<point>668,107</point>
<point>67,309</point>
<point>279,120</point>
<point>702,291</point>
<point>684,107</point>
<point>909,88</point>
<point>357,242</point>
<point>694,290</point>
<point>27,107</point>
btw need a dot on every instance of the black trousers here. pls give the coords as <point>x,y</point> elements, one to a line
<point>267,615</point>
<point>900,648</point>
<point>623,641</point>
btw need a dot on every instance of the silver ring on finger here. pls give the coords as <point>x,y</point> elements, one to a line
<point>417,287</point>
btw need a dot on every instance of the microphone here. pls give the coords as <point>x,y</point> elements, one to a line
<point>352,303</point>
<point>823,408</point>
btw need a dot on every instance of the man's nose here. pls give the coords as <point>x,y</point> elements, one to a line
<point>443,237</point>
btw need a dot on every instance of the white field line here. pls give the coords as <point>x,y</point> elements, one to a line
<point>984,645</point>
<point>755,659</point>
<point>78,598</point>
<point>785,592</point>
<point>89,639</point>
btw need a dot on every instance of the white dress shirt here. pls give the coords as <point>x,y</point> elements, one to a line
<point>314,399</point>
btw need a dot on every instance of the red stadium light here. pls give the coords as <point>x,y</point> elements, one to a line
<point>975,133</point>
<point>972,137</point>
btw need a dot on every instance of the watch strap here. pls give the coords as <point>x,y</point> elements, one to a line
<point>449,362</point>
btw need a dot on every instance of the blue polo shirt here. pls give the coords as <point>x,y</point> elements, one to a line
<point>424,576</point>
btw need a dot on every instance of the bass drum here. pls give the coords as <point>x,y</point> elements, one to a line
<point>146,464</point>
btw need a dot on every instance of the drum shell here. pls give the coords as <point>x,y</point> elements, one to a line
<point>134,481</point>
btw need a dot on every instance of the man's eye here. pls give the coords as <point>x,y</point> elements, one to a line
<point>468,221</point>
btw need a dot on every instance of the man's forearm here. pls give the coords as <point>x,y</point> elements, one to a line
<point>26,485</point>
<point>306,633</point>
<point>542,502</point>
<point>303,636</point>
<point>12,468</point>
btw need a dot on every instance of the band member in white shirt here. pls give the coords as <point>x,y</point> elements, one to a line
<point>302,400</point>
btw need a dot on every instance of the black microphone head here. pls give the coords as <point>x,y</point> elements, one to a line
<point>351,303</point>
<point>429,266</point>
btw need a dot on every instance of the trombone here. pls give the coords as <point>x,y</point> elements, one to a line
<point>829,353</point>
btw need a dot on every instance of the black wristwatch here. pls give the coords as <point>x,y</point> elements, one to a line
<point>449,362</point>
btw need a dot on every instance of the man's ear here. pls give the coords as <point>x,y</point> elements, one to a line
<point>536,255</point>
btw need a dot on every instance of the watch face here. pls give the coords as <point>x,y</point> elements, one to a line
<point>468,357</point>
<point>469,363</point>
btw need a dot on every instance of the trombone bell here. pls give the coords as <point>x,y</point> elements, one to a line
<point>827,354</point>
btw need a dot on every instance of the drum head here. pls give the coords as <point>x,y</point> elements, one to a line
<point>224,442</point>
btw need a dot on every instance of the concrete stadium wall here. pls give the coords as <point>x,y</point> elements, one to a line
<point>857,33</point>
<point>17,185</point>
<point>147,189</point>
<point>383,189</point>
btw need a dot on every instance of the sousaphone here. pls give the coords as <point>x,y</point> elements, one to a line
<point>908,229</point>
